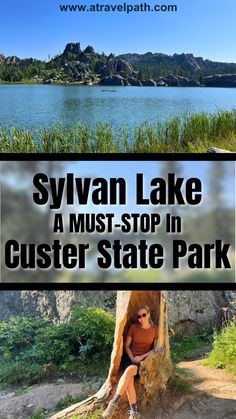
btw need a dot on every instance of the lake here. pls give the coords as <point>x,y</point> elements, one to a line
<point>35,106</point>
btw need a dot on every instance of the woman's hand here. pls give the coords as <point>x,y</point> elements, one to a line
<point>138,358</point>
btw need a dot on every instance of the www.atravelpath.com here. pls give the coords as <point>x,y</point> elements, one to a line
<point>122,7</point>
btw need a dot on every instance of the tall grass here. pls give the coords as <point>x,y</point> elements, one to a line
<point>224,349</point>
<point>191,133</point>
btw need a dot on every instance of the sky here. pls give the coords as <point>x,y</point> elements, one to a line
<point>33,28</point>
<point>152,169</point>
<point>128,170</point>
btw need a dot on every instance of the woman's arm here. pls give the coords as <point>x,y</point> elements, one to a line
<point>140,358</point>
<point>127,348</point>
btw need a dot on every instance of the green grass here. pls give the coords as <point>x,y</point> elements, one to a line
<point>67,401</point>
<point>223,354</point>
<point>184,348</point>
<point>21,390</point>
<point>96,414</point>
<point>188,346</point>
<point>180,384</point>
<point>38,414</point>
<point>192,133</point>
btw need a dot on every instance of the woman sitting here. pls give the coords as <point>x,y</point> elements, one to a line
<point>140,341</point>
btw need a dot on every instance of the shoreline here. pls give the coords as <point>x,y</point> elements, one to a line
<point>25,82</point>
<point>194,133</point>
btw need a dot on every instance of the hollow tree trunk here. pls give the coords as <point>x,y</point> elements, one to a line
<point>154,371</point>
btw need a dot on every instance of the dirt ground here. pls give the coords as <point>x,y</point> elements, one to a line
<point>213,396</point>
<point>13,406</point>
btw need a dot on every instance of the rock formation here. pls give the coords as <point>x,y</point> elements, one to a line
<point>56,305</point>
<point>75,65</point>
<point>194,311</point>
<point>116,80</point>
<point>150,83</point>
<point>72,48</point>
<point>189,311</point>
<point>172,80</point>
<point>220,80</point>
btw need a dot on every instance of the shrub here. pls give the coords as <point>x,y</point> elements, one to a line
<point>18,333</point>
<point>54,343</point>
<point>33,349</point>
<point>19,370</point>
<point>94,329</point>
<point>224,349</point>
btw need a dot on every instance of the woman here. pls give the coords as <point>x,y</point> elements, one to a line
<point>140,341</point>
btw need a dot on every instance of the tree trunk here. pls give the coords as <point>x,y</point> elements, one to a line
<point>154,371</point>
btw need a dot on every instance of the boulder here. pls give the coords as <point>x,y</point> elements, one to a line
<point>220,80</point>
<point>105,71</point>
<point>134,82</point>
<point>88,82</point>
<point>185,82</point>
<point>172,80</point>
<point>194,311</point>
<point>160,82</point>
<point>149,82</point>
<point>218,150</point>
<point>116,80</point>
<point>124,68</point>
<point>126,82</point>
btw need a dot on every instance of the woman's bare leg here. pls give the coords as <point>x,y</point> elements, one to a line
<point>130,391</point>
<point>126,382</point>
<point>126,378</point>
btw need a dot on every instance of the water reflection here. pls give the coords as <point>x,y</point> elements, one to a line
<point>43,105</point>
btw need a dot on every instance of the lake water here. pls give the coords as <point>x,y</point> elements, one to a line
<point>42,105</point>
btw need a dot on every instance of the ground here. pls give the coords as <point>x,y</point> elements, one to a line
<point>213,396</point>
<point>21,404</point>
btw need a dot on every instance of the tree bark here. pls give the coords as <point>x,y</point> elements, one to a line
<point>154,371</point>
